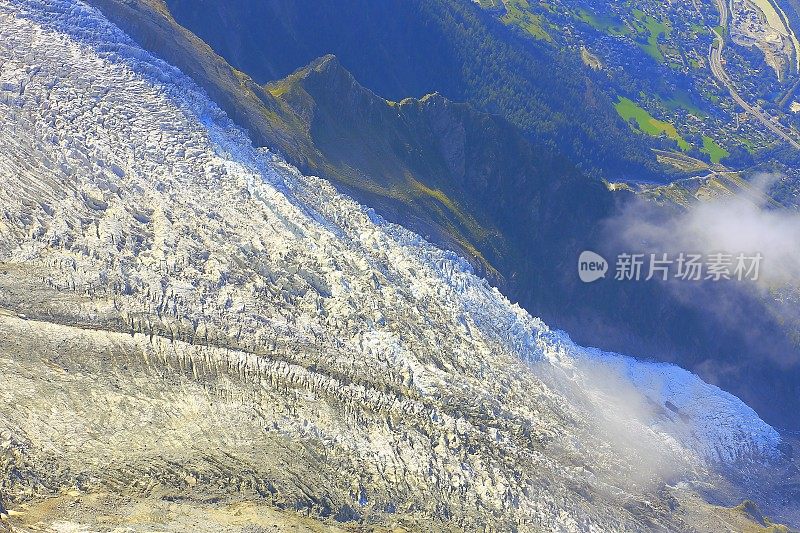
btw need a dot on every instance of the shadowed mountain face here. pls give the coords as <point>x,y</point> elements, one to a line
<point>466,179</point>
<point>401,48</point>
<point>474,183</point>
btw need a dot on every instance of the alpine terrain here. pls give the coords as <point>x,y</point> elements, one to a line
<point>502,196</point>
<point>198,336</point>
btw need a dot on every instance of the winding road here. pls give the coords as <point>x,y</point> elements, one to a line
<point>715,61</point>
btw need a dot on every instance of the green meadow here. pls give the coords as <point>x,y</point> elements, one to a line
<point>654,30</point>
<point>628,109</point>
<point>519,13</point>
<point>605,23</point>
<point>713,150</point>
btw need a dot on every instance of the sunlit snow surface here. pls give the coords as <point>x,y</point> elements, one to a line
<point>128,193</point>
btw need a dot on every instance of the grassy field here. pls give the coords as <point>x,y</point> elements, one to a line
<point>654,30</point>
<point>604,23</point>
<point>713,150</point>
<point>698,28</point>
<point>683,100</point>
<point>628,109</point>
<point>519,13</point>
<point>749,145</point>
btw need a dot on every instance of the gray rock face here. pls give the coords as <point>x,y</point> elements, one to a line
<point>191,328</point>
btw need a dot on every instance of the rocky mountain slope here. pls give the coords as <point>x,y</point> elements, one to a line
<point>196,333</point>
<point>468,180</point>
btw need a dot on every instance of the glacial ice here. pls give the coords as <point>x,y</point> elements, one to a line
<point>132,207</point>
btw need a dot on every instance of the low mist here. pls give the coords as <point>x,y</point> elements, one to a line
<point>748,222</point>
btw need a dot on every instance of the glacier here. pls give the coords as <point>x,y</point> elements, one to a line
<point>181,310</point>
